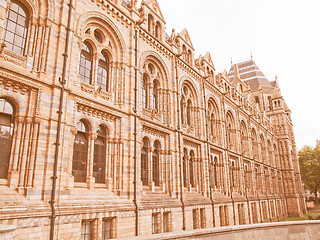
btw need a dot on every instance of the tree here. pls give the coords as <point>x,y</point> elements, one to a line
<point>309,161</point>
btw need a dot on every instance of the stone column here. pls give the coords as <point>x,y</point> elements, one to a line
<point>23,163</point>
<point>33,152</point>
<point>19,124</point>
<point>109,164</point>
<point>90,179</point>
<point>150,169</point>
<point>115,164</point>
<point>70,178</point>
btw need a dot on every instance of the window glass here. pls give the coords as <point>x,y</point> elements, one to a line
<point>6,132</point>
<point>102,76</point>
<point>144,162</point>
<point>80,153</point>
<point>99,161</point>
<point>16,28</point>
<point>85,68</point>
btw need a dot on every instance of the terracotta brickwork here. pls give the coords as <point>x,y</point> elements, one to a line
<point>153,139</point>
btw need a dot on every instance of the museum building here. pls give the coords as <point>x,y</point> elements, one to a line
<point>111,128</point>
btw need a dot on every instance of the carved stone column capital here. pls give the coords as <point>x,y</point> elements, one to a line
<point>28,120</point>
<point>93,135</point>
<point>20,119</point>
<point>74,130</point>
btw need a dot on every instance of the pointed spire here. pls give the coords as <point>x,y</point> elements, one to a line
<point>276,81</point>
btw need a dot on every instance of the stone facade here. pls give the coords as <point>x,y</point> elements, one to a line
<point>152,139</point>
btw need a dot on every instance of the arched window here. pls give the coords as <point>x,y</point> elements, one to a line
<point>257,179</point>
<point>80,153</point>
<point>97,35</point>
<point>144,162</point>
<point>184,51</point>
<point>99,161</point>
<point>103,68</point>
<point>155,95</point>
<point>191,170</point>
<point>15,32</point>
<point>185,166</point>
<point>254,144</point>
<point>189,57</point>
<point>215,172</point>
<point>263,149</point>
<point>144,95</point>
<point>212,125</point>
<point>156,164</point>
<point>232,174</point>
<point>86,59</point>
<point>182,109</point>
<point>229,134</point>
<point>246,177</point>
<point>158,30</point>
<point>270,103</point>
<point>6,132</point>
<point>150,23</point>
<point>189,105</point>
<point>257,100</point>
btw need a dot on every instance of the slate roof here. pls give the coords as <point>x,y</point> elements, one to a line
<point>250,74</point>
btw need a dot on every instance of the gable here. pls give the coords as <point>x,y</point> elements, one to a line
<point>186,37</point>
<point>154,7</point>
<point>208,58</point>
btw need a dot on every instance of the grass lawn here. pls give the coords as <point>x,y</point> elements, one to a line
<point>304,217</point>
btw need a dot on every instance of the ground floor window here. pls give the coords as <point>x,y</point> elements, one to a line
<point>108,228</point>
<point>167,222</point>
<point>88,229</point>
<point>156,223</point>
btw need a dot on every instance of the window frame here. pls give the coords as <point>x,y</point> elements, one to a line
<point>7,120</point>
<point>100,155</point>
<point>86,58</point>
<point>144,162</point>
<point>15,24</point>
<point>76,170</point>
<point>109,233</point>
<point>103,79</point>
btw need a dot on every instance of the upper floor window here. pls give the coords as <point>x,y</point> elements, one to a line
<point>15,31</point>
<point>80,153</point>
<point>155,95</point>
<point>212,128</point>
<point>182,107</point>
<point>86,59</point>
<point>102,77</point>
<point>189,106</point>
<point>150,23</point>
<point>144,96</point>
<point>6,132</point>
<point>158,30</point>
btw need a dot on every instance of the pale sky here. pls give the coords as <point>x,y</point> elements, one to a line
<point>283,36</point>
